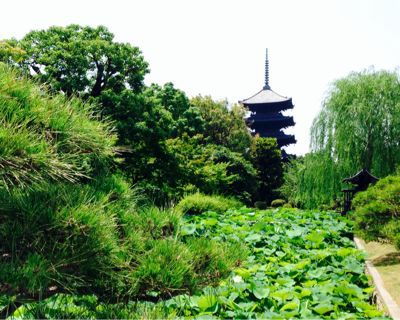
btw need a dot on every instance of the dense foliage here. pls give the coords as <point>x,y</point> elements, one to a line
<point>80,60</point>
<point>69,222</point>
<point>195,165</point>
<point>222,125</point>
<point>266,158</point>
<point>300,265</point>
<point>77,241</point>
<point>168,144</point>
<point>358,127</point>
<point>377,211</point>
<point>47,138</point>
<point>198,203</point>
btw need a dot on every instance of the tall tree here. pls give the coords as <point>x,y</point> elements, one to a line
<point>187,117</point>
<point>81,60</point>
<point>267,159</point>
<point>87,62</point>
<point>224,126</point>
<point>358,127</point>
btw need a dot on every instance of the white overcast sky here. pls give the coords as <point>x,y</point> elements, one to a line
<point>217,47</point>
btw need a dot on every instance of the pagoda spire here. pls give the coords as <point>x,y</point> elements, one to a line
<point>266,84</point>
<point>266,107</point>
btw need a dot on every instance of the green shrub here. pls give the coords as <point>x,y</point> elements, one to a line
<point>71,236</point>
<point>158,223</point>
<point>69,223</point>
<point>45,137</point>
<point>377,211</point>
<point>267,160</point>
<point>277,203</point>
<point>63,216</point>
<point>198,203</point>
<point>209,168</point>
<point>391,231</point>
<point>213,260</point>
<point>165,269</point>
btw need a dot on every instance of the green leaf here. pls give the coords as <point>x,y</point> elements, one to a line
<point>305,292</point>
<point>261,292</point>
<point>188,229</point>
<point>302,264</point>
<point>344,252</point>
<point>244,273</point>
<point>372,313</point>
<point>316,237</point>
<point>282,294</point>
<point>210,222</point>
<point>323,308</point>
<point>255,237</point>
<point>207,302</point>
<point>290,306</point>
<point>295,232</point>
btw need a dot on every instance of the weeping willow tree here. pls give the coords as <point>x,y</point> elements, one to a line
<point>358,127</point>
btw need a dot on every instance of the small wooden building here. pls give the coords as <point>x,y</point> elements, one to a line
<point>361,180</point>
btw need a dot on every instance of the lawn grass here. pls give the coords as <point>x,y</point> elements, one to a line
<point>386,259</point>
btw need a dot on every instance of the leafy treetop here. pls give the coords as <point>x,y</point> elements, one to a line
<point>80,60</point>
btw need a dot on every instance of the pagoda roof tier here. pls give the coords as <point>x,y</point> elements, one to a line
<point>269,107</point>
<point>270,126</point>
<point>265,117</point>
<point>271,133</point>
<point>268,118</point>
<point>288,139</point>
<point>265,96</point>
<point>282,138</point>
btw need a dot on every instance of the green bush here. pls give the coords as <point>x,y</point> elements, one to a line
<point>198,203</point>
<point>277,203</point>
<point>45,138</point>
<point>377,211</point>
<point>267,160</point>
<point>69,235</point>
<point>209,168</point>
<point>157,223</point>
<point>69,223</point>
<point>213,260</point>
<point>165,269</point>
<point>56,227</point>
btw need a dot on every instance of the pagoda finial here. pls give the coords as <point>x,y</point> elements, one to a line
<point>266,85</point>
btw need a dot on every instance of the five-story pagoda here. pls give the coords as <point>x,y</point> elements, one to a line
<point>266,118</point>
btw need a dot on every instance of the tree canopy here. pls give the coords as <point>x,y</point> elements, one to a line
<point>80,60</point>
<point>224,126</point>
<point>358,127</point>
<point>168,144</point>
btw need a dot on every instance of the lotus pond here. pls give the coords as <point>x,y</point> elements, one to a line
<point>301,264</point>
